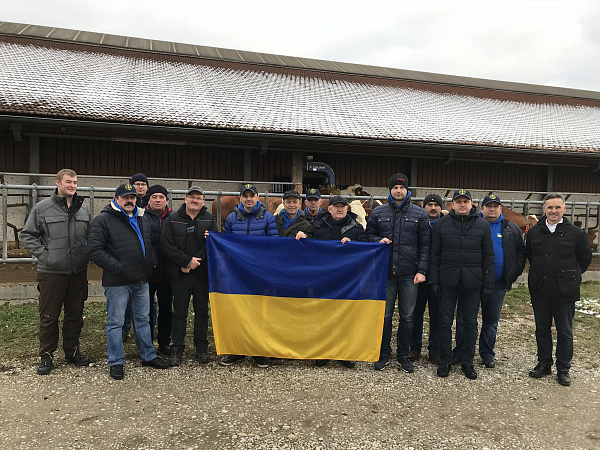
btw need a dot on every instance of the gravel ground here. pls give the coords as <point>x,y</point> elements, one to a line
<point>294,405</point>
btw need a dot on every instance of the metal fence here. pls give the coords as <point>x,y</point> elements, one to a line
<point>584,211</point>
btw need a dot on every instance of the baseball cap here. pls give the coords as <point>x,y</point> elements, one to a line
<point>195,189</point>
<point>461,193</point>
<point>291,193</point>
<point>249,187</point>
<point>313,193</point>
<point>490,198</point>
<point>338,199</point>
<point>125,189</point>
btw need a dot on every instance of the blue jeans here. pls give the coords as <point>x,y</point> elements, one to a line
<point>468,301</point>
<point>117,298</point>
<point>423,299</point>
<point>405,290</point>
<point>490,315</point>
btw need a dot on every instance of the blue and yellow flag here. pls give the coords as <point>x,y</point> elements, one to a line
<point>306,299</point>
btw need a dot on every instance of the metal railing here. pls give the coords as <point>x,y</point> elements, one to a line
<point>584,210</point>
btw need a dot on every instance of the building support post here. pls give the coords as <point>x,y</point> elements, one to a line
<point>247,164</point>
<point>297,170</point>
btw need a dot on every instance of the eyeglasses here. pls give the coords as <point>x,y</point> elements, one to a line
<point>139,183</point>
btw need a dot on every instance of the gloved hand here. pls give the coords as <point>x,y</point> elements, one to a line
<point>435,290</point>
<point>486,293</point>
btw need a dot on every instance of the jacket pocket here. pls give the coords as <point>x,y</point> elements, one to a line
<point>568,284</point>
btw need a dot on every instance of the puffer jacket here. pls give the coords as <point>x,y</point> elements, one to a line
<point>514,252</point>
<point>115,247</point>
<point>557,260</point>
<point>326,228</point>
<point>300,224</point>
<point>258,222</point>
<point>407,226</point>
<point>462,249</point>
<point>156,224</point>
<point>183,238</point>
<point>57,235</point>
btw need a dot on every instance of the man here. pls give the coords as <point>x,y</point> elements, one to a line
<point>432,204</point>
<point>55,233</point>
<point>462,271</point>
<point>338,224</point>
<point>313,205</point>
<point>120,242</point>
<point>251,218</point>
<point>509,262</point>
<point>184,247</point>
<point>558,254</point>
<point>405,227</point>
<point>157,212</point>
<point>291,221</point>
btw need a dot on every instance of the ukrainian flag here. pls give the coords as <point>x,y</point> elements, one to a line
<point>306,299</point>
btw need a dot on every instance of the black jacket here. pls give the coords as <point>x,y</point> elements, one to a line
<point>462,249</point>
<point>115,247</point>
<point>408,229</point>
<point>324,227</point>
<point>514,252</point>
<point>156,224</point>
<point>183,237</point>
<point>301,224</point>
<point>557,260</point>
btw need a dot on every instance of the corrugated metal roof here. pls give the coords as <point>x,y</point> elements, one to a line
<point>9,28</point>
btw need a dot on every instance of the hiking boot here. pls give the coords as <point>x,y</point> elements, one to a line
<point>469,371</point>
<point>349,364</point>
<point>164,350</point>
<point>414,355</point>
<point>231,359</point>
<point>321,362</point>
<point>261,361</point>
<point>564,379</point>
<point>406,365</point>
<point>176,355</point>
<point>202,357</point>
<point>540,371</point>
<point>488,362</point>
<point>78,359</point>
<point>116,372</point>
<point>156,363</point>
<point>383,361</point>
<point>443,370</point>
<point>45,367</point>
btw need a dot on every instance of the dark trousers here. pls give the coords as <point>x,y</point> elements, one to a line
<point>58,290</point>
<point>164,316</point>
<point>423,299</point>
<point>184,287</point>
<point>468,300</point>
<point>562,312</point>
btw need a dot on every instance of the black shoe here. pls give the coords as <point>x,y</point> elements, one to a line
<point>488,362</point>
<point>321,362</point>
<point>564,379</point>
<point>78,359</point>
<point>261,361</point>
<point>116,372</point>
<point>469,371</point>
<point>231,359</point>
<point>455,359</point>
<point>164,350</point>
<point>202,357</point>
<point>156,363</point>
<point>383,361</point>
<point>349,364</point>
<point>414,355</point>
<point>176,355</point>
<point>540,371</point>
<point>406,365</point>
<point>443,370</point>
<point>435,359</point>
<point>45,367</point>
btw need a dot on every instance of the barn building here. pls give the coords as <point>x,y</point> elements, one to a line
<point>113,105</point>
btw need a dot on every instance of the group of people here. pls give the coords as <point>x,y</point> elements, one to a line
<point>455,264</point>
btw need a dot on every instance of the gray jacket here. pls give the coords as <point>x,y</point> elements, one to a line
<point>57,235</point>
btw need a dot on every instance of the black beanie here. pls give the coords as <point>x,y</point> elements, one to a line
<point>140,177</point>
<point>157,189</point>
<point>433,198</point>
<point>399,178</point>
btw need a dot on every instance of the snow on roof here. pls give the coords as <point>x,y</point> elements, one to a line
<point>52,79</point>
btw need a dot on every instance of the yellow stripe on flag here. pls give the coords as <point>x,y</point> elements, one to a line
<point>297,328</point>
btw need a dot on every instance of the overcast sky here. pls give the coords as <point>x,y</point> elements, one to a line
<point>551,42</point>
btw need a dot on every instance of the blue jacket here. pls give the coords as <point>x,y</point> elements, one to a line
<point>407,226</point>
<point>257,222</point>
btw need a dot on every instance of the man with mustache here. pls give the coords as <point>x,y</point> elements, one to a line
<point>120,242</point>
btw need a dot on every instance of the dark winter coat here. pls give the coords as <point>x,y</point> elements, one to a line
<point>514,252</point>
<point>326,228</point>
<point>156,223</point>
<point>183,238</point>
<point>557,260</point>
<point>409,230</point>
<point>114,246</point>
<point>462,249</point>
<point>300,224</point>
<point>261,223</point>
<point>57,235</point>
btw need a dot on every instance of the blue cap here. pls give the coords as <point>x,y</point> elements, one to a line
<point>313,193</point>
<point>125,189</point>
<point>248,187</point>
